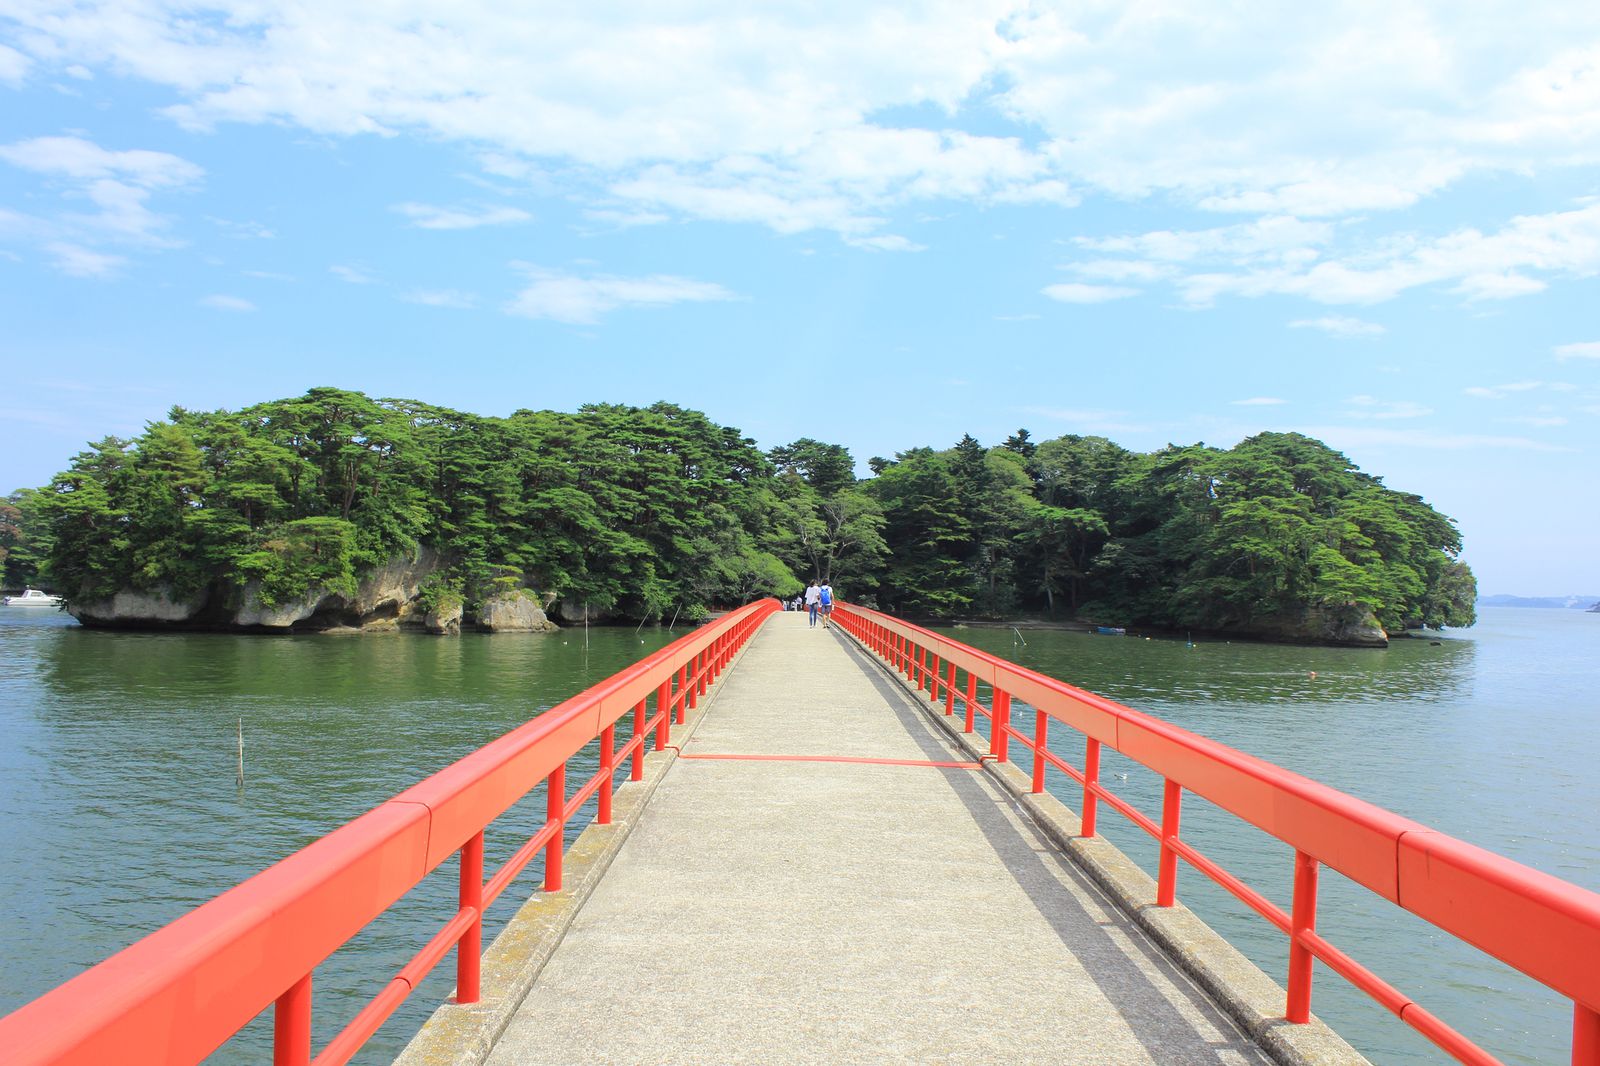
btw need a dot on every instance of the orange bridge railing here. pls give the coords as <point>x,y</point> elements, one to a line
<point>1546,927</point>
<point>182,991</point>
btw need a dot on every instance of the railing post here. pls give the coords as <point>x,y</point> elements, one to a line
<point>608,767</point>
<point>972,702</point>
<point>950,690</point>
<point>1585,1036</point>
<point>638,752</point>
<point>555,803</point>
<point>685,692</point>
<point>1041,735</point>
<point>1167,870</point>
<point>918,674</point>
<point>1091,778</point>
<point>1000,725</point>
<point>663,713</point>
<point>469,949</point>
<point>700,669</point>
<point>291,1025</point>
<point>933,679</point>
<point>1303,919</point>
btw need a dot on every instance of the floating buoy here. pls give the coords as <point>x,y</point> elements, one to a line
<point>1312,675</point>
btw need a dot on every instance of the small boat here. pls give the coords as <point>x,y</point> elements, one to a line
<point>33,598</point>
<point>1111,631</point>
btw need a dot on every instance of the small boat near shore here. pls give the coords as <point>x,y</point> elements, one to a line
<point>1111,631</point>
<point>33,598</point>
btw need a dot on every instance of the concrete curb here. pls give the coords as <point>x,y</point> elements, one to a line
<point>464,1035</point>
<point>1253,999</point>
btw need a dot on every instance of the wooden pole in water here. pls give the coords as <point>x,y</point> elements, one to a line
<point>241,751</point>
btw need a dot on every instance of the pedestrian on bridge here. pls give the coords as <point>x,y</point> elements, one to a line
<point>825,598</point>
<point>813,597</point>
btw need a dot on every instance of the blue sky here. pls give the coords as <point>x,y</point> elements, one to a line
<point>883,226</point>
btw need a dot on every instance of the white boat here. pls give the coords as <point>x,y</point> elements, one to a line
<point>33,598</point>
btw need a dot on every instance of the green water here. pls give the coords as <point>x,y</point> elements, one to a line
<point>119,806</point>
<point>119,801</point>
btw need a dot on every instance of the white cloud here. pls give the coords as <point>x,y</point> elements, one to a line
<point>582,300</point>
<point>1500,392</point>
<point>1351,437</point>
<point>1540,421</point>
<point>116,184</point>
<point>248,230</point>
<point>1339,326</point>
<point>888,242</point>
<point>13,66</point>
<point>1073,292</point>
<point>1258,401</point>
<point>223,302</point>
<point>80,262</point>
<point>1482,265</point>
<point>451,298</point>
<point>1316,110</point>
<point>1372,407</point>
<point>355,275</point>
<point>427,216</point>
<point>1584,350</point>
<point>74,157</point>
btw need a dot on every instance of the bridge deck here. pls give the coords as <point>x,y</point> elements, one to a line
<point>806,911</point>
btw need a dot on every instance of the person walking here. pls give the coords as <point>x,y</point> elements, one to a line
<point>825,600</point>
<point>813,597</point>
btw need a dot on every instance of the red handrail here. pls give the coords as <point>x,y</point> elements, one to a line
<point>1546,927</point>
<point>179,993</point>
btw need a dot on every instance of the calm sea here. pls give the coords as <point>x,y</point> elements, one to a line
<point>120,806</point>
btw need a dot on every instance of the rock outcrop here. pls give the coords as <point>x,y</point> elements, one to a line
<point>154,609</point>
<point>386,598</point>
<point>516,612</point>
<point>1347,627</point>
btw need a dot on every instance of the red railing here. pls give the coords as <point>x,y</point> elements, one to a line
<point>179,993</point>
<point>1545,927</point>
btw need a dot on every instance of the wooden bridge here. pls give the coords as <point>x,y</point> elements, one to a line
<point>823,851</point>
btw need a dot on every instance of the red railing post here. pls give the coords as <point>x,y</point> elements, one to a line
<point>663,713</point>
<point>1041,734</point>
<point>469,949</point>
<point>933,679</point>
<point>1302,919</point>
<point>950,691</point>
<point>972,702</point>
<point>1091,778</point>
<point>1585,1036</point>
<point>638,752</point>
<point>1000,725</point>
<point>685,692</point>
<point>608,767</point>
<point>918,673</point>
<point>291,1025</point>
<point>700,668</point>
<point>1167,869</point>
<point>555,802</point>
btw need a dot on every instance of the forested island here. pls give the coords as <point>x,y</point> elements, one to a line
<point>334,509</point>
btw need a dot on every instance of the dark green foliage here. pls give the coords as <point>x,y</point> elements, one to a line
<point>630,511</point>
<point>1187,536</point>
<point>645,511</point>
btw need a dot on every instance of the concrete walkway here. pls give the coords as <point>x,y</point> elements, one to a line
<point>829,912</point>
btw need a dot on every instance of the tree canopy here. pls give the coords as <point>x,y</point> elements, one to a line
<point>640,511</point>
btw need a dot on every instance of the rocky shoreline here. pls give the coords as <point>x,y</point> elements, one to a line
<point>390,597</point>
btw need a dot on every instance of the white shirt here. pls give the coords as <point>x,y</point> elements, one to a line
<point>813,594</point>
